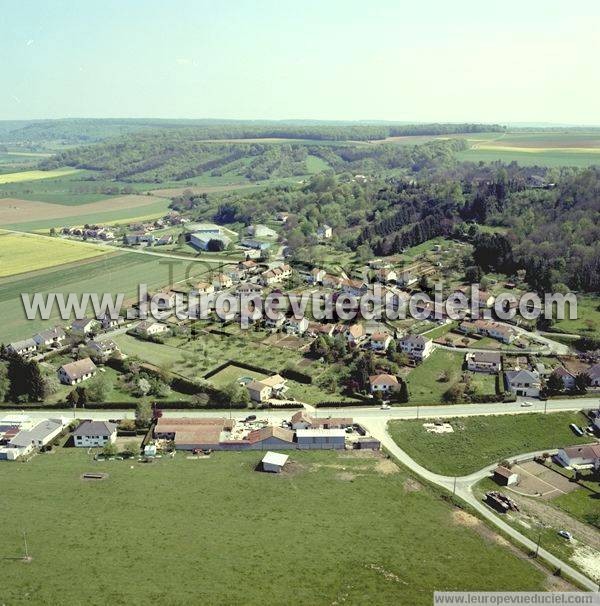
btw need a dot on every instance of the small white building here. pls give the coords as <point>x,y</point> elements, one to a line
<point>273,462</point>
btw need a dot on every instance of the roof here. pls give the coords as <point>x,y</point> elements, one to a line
<point>593,371</point>
<point>380,336</point>
<point>301,416</point>
<point>81,324</point>
<point>275,458</point>
<point>485,356</point>
<point>560,371</point>
<point>273,380</point>
<point>339,421</point>
<point>383,379</point>
<point>504,471</point>
<point>51,333</point>
<point>170,425</point>
<point>95,428</point>
<point>414,339</point>
<point>522,375</point>
<point>586,451</point>
<point>78,369</point>
<point>258,435</point>
<point>38,433</point>
<point>25,344</point>
<point>356,330</point>
<point>104,345</point>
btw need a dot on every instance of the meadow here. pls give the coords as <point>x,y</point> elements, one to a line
<point>222,532</point>
<point>35,175</point>
<point>587,323</point>
<point>480,441</point>
<point>26,252</point>
<point>116,273</point>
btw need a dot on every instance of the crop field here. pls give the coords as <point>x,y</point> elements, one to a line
<point>480,441</point>
<point>205,522</point>
<point>116,273</point>
<point>35,175</point>
<point>24,253</point>
<point>541,148</point>
<point>28,215</point>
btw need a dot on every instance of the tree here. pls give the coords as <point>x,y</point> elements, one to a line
<point>235,394</point>
<point>582,382</point>
<point>4,382</point>
<point>554,384</point>
<point>98,388</point>
<point>215,245</point>
<point>143,414</point>
<point>73,398</point>
<point>109,450</point>
<point>402,393</point>
<point>132,448</point>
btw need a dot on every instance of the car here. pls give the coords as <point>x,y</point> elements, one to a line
<point>250,418</point>
<point>526,403</point>
<point>565,534</point>
<point>385,407</point>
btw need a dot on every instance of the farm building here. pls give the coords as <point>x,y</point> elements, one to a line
<point>322,439</point>
<point>505,476</point>
<point>273,462</point>
<point>201,240</point>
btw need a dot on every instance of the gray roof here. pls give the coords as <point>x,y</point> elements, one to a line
<point>81,324</point>
<point>25,344</point>
<point>39,433</point>
<point>78,369</point>
<point>50,334</point>
<point>95,428</point>
<point>486,356</point>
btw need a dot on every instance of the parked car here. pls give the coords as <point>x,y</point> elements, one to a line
<point>385,407</point>
<point>576,429</point>
<point>565,534</point>
<point>526,403</point>
<point>250,418</point>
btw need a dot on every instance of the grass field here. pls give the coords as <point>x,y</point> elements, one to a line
<point>233,373</point>
<point>480,441</point>
<point>35,175</point>
<point>24,253</point>
<point>424,384</point>
<point>587,323</point>
<point>215,531</point>
<point>120,272</point>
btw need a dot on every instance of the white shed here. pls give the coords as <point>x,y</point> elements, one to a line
<point>274,462</point>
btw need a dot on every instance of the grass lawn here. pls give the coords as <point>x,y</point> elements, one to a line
<point>24,253</point>
<point>35,175</point>
<point>184,531</point>
<point>423,382</point>
<point>485,383</point>
<point>480,441</point>
<point>587,323</point>
<point>581,504</point>
<point>233,373</point>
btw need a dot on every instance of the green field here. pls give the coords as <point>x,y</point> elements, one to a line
<point>551,158</point>
<point>480,441</point>
<point>120,272</point>
<point>233,373</point>
<point>424,384</point>
<point>334,529</point>
<point>35,175</point>
<point>587,323</point>
<point>24,253</point>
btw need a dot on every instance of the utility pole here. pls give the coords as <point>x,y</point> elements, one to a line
<point>545,405</point>
<point>454,489</point>
<point>537,547</point>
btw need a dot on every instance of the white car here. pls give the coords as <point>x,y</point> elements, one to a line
<point>526,403</point>
<point>385,407</point>
<point>565,534</point>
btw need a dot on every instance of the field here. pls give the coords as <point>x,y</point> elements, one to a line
<point>233,373</point>
<point>536,148</point>
<point>35,175</point>
<point>30,215</point>
<point>480,441</point>
<point>116,273</point>
<point>24,253</point>
<point>587,323</point>
<point>182,527</point>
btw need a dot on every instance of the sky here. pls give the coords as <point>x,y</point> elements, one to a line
<point>510,61</point>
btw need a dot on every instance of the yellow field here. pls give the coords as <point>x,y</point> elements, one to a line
<point>23,253</point>
<point>537,150</point>
<point>36,175</point>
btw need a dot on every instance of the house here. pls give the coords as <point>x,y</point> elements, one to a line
<point>204,288</point>
<point>84,327</point>
<point>322,439</point>
<point>324,232</point>
<point>585,455</point>
<point>273,462</point>
<point>505,476</point>
<point>106,322</point>
<point>276,274</point>
<point>485,300</point>
<point>267,388</point>
<point>201,239</point>
<point>103,349</point>
<point>417,347</point>
<point>248,266</point>
<point>406,278</point>
<point>594,374</point>
<point>383,383</point>
<point>51,337</point>
<point>92,434</point>
<point>39,436</point>
<point>148,328</point>
<point>222,281</point>
<point>316,275</point>
<point>297,327</point>
<point>165,240</point>
<point>487,328</point>
<point>525,383</point>
<point>356,334</point>
<point>386,275</point>
<point>567,378</point>
<point>354,288</point>
<point>261,231</point>
<point>489,362</point>
<point>276,322</point>
<point>76,372</point>
<point>23,348</point>
<point>333,282</point>
<point>255,244</point>
<point>380,341</point>
<point>249,289</point>
<point>316,329</point>
<point>301,420</point>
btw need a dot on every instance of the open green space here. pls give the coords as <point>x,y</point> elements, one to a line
<point>587,323</point>
<point>551,158</point>
<point>35,175</point>
<point>480,441</point>
<point>234,373</point>
<point>428,382</point>
<point>205,523</point>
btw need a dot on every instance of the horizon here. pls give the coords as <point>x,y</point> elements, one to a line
<point>341,61</point>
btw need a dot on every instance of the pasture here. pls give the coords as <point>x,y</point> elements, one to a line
<point>205,523</point>
<point>116,273</point>
<point>21,253</point>
<point>35,175</point>
<point>480,441</point>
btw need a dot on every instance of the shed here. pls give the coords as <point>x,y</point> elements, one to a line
<point>274,461</point>
<point>505,476</point>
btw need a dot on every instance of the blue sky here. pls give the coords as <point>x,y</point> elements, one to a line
<point>513,61</point>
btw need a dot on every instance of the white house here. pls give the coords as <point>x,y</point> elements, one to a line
<point>525,383</point>
<point>324,232</point>
<point>76,372</point>
<point>297,327</point>
<point>222,281</point>
<point>103,349</point>
<point>267,388</point>
<point>52,336</point>
<point>567,378</point>
<point>587,455</point>
<point>23,348</point>
<point>380,341</point>
<point>417,347</point>
<point>148,328</point>
<point>356,334</point>
<point>84,326</point>
<point>383,383</point>
<point>40,435</point>
<point>92,434</point>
